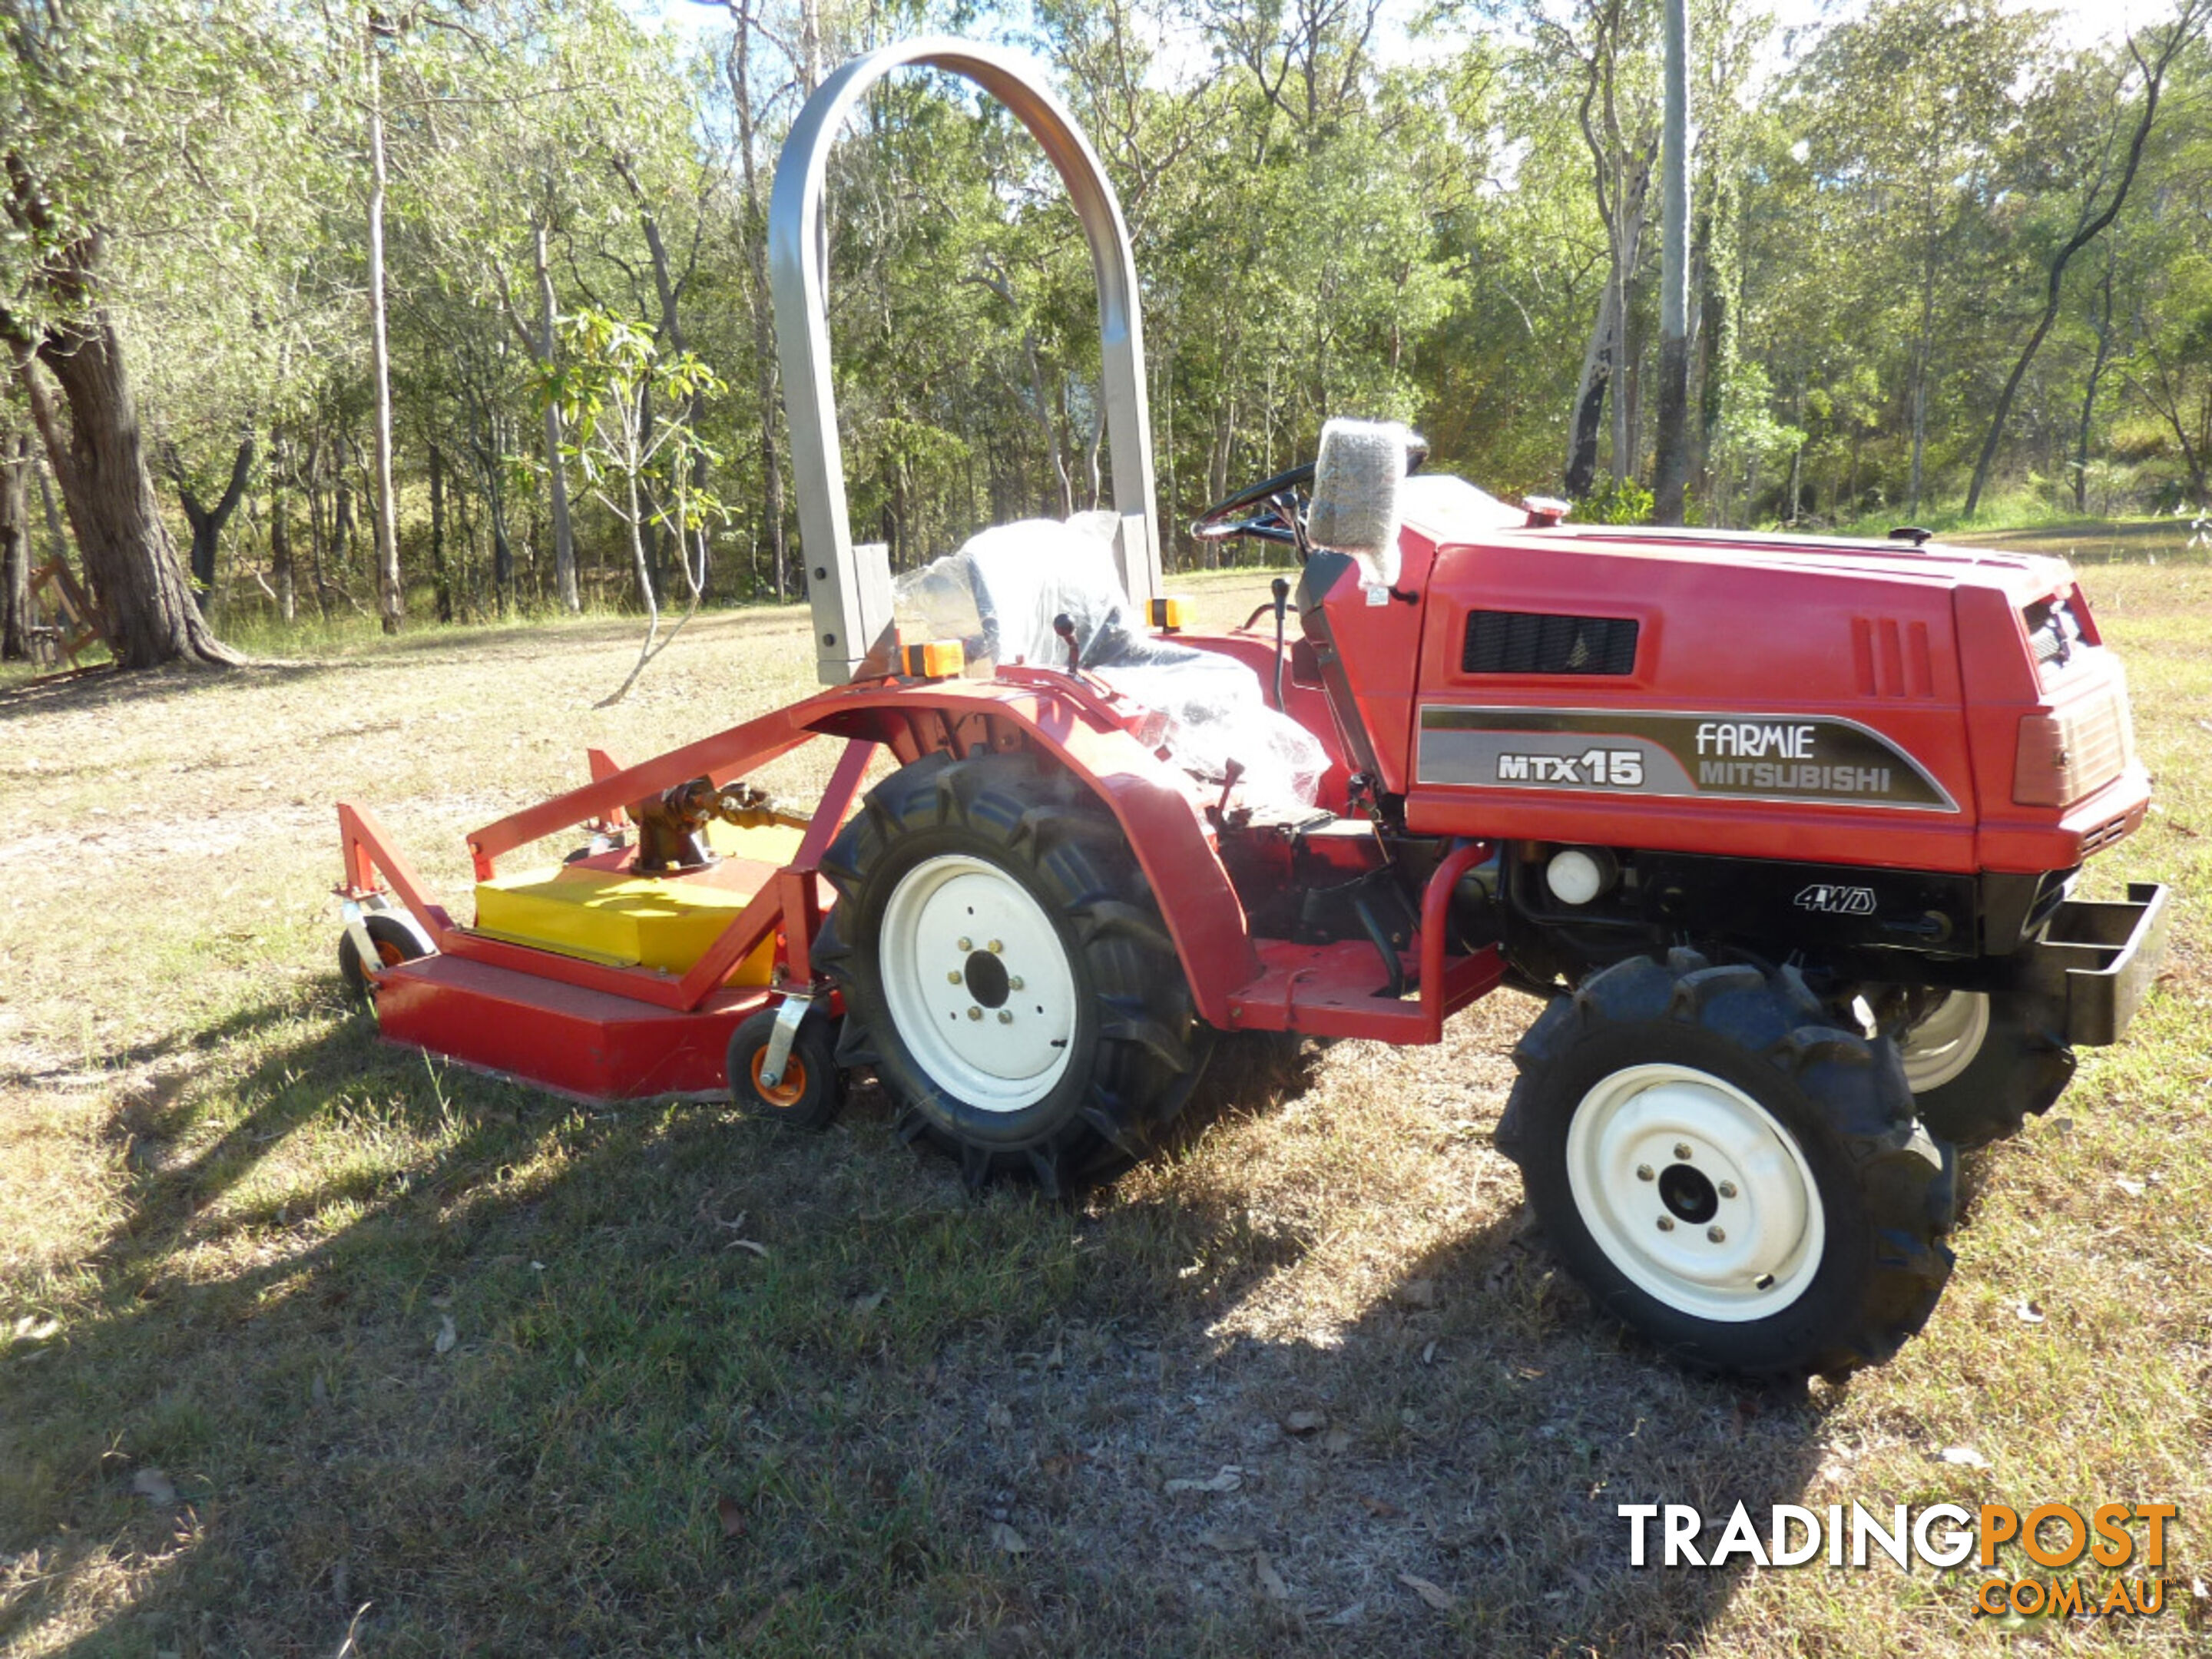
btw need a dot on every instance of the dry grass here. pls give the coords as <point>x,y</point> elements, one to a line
<point>232,1226</point>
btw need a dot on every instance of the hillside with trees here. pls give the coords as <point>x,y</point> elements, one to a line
<point>456,311</point>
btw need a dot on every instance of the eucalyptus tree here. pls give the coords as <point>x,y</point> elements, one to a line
<point>1905,111</point>
<point>2106,168</point>
<point>120,123</point>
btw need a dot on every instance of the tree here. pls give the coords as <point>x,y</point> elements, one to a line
<point>208,521</point>
<point>1671,466</point>
<point>627,404</point>
<point>15,547</point>
<point>2099,202</point>
<point>72,172</point>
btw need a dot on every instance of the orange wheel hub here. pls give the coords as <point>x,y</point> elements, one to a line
<point>788,1092</point>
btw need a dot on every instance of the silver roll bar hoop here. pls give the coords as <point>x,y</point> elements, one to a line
<point>850,588</point>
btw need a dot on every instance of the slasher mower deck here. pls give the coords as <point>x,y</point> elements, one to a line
<point>1783,832</point>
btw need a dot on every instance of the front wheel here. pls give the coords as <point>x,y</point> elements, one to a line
<point>1980,1062</point>
<point>1728,1173</point>
<point>1005,970</point>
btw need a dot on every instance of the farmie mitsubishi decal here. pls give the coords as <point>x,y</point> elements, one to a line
<point>1792,757</point>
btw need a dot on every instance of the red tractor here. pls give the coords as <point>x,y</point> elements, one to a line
<point>1784,832</point>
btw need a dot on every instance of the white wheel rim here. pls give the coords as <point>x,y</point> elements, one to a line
<point>956,927</point>
<point>1743,1228</point>
<point>1944,1041</point>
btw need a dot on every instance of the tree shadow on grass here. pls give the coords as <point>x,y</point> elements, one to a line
<point>710,1385</point>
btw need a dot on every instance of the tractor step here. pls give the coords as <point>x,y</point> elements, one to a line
<point>1333,990</point>
<point>588,1044</point>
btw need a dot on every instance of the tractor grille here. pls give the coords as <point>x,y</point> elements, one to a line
<point>1533,643</point>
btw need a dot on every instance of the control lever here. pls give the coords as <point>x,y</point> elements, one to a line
<point>1282,592</point>
<point>1064,625</point>
<point>1229,774</point>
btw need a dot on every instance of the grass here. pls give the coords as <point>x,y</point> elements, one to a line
<point>234,1231</point>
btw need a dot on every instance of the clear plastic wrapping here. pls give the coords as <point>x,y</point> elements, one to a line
<point>1000,594</point>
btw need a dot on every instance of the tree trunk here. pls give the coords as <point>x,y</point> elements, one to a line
<point>2097,364</point>
<point>208,522</point>
<point>753,234</point>
<point>1923,350</point>
<point>1671,466</point>
<point>391,598</point>
<point>280,540</point>
<point>557,472</point>
<point>100,461</point>
<point>442,583</point>
<point>1586,418</point>
<point>15,550</point>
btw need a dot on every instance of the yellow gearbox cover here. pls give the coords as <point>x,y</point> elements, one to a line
<point>616,916</point>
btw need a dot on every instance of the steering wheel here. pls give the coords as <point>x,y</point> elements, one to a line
<point>1258,510</point>
<point>1255,509</point>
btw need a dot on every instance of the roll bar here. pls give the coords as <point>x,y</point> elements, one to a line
<point>850,588</point>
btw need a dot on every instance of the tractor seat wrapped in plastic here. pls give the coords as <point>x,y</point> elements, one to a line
<point>1000,594</point>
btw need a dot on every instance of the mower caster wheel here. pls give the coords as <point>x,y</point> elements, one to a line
<point>811,1091</point>
<point>1728,1172</point>
<point>395,942</point>
<point>1980,1062</point>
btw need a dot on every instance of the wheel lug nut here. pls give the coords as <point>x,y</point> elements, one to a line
<point>994,947</point>
<point>1005,1017</point>
<point>1014,981</point>
<point>975,1013</point>
<point>1727,1189</point>
<point>953,978</point>
<point>1665,1224</point>
<point>1682,1151</point>
<point>966,945</point>
<point>1716,1234</point>
<point>1643,1172</point>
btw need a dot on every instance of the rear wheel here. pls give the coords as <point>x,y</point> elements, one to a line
<point>1980,1062</point>
<point>395,942</point>
<point>1005,971</point>
<point>1728,1173</point>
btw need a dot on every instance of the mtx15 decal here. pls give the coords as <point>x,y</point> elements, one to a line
<point>1733,757</point>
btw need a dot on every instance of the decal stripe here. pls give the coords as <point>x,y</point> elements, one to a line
<point>1726,756</point>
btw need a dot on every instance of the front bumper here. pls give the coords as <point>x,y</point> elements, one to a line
<point>2096,958</point>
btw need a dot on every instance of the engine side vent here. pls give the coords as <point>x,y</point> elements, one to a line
<point>1533,643</point>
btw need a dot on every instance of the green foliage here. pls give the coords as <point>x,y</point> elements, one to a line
<point>1627,502</point>
<point>1328,219</point>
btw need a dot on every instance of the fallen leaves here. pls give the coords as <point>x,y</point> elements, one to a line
<point>446,1336</point>
<point>1965,1457</point>
<point>730,1514</point>
<point>1419,1293</point>
<point>998,1415</point>
<point>155,1487</point>
<point>1306,1422</point>
<point>1001,1536</point>
<point>1229,1479</point>
<point>1270,1581</point>
<point>1435,1595</point>
<point>1380,1508</point>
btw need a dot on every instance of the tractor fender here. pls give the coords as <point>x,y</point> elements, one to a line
<point>1151,800</point>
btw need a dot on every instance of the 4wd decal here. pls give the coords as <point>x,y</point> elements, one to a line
<point>1832,900</point>
<point>1735,756</point>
